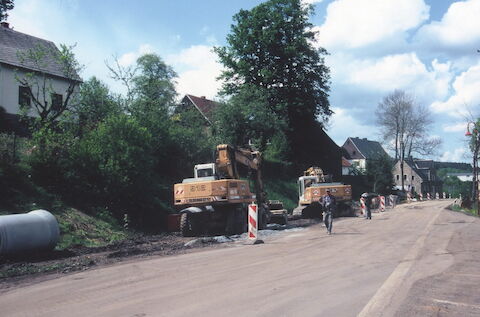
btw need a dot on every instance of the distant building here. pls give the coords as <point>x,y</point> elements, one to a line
<point>347,168</point>
<point>464,177</point>
<point>358,151</point>
<point>203,105</point>
<point>419,176</point>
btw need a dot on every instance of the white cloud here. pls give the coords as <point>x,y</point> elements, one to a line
<point>401,71</point>
<point>356,23</point>
<point>200,69</point>
<point>466,94</point>
<point>459,26</point>
<point>457,127</point>
<point>311,1</point>
<point>130,58</point>
<point>457,155</point>
<point>343,125</point>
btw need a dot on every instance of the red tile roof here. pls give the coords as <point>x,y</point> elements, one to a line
<point>204,105</point>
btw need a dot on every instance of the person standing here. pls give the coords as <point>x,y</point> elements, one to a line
<point>368,206</point>
<point>329,204</point>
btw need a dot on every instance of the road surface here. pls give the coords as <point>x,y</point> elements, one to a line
<point>416,260</point>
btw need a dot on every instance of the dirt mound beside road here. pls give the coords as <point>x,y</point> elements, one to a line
<point>34,267</point>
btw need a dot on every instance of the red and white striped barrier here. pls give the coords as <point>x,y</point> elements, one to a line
<point>444,195</point>
<point>382,203</point>
<point>428,196</point>
<point>392,201</point>
<point>437,196</point>
<point>252,222</point>
<point>362,205</point>
<point>420,196</point>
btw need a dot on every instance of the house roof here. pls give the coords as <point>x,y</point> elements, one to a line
<point>428,164</point>
<point>12,43</point>
<point>366,149</point>
<point>204,105</point>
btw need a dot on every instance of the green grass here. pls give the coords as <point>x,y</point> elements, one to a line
<point>472,211</point>
<point>283,190</point>
<point>79,229</point>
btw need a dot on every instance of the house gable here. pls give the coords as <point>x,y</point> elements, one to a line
<point>13,44</point>
<point>368,149</point>
<point>202,104</point>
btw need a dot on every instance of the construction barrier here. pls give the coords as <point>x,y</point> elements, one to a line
<point>362,206</point>
<point>252,222</point>
<point>437,196</point>
<point>428,196</point>
<point>444,195</point>
<point>392,199</point>
<point>421,196</point>
<point>409,197</point>
<point>382,203</point>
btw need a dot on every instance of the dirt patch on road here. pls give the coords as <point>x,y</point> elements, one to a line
<point>35,267</point>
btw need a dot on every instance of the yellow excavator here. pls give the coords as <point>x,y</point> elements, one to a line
<point>216,200</point>
<point>312,186</point>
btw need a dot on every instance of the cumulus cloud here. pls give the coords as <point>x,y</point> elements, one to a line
<point>130,58</point>
<point>199,71</point>
<point>400,71</point>
<point>457,155</point>
<point>460,26</point>
<point>456,127</point>
<point>356,23</point>
<point>343,125</point>
<point>466,94</point>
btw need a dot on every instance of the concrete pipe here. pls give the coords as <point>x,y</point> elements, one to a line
<point>36,230</point>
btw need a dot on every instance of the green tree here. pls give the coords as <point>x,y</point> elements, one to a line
<point>113,167</point>
<point>247,119</point>
<point>379,174</point>
<point>40,84</point>
<point>5,5</point>
<point>95,104</point>
<point>270,47</point>
<point>153,89</point>
<point>474,145</point>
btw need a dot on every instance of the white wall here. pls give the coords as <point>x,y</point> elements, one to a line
<point>9,87</point>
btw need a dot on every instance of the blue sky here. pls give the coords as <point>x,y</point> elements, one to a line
<point>426,47</point>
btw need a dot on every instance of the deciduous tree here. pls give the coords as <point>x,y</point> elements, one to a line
<point>271,47</point>
<point>405,124</point>
<point>5,5</point>
<point>40,84</point>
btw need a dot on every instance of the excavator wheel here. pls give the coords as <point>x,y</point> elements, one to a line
<point>186,225</point>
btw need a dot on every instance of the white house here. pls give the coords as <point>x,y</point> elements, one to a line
<point>14,67</point>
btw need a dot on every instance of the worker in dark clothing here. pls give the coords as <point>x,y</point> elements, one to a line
<point>368,205</point>
<point>329,204</point>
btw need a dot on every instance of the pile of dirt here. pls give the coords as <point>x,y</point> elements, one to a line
<point>20,269</point>
<point>33,267</point>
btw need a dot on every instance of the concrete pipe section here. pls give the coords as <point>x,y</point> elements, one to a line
<point>36,230</point>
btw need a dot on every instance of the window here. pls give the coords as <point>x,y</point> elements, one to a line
<point>413,177</point>
<point>405,177</point>
<point>398,177</point>
<point>57,101</point>
<point>24,96</point>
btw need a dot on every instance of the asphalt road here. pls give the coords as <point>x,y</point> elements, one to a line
<point>415,260</point>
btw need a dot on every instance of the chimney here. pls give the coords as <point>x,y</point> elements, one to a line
<point>203,97</point>
<point>5,25</point>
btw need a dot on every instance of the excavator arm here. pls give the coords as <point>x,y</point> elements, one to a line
<point>226,163</point>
